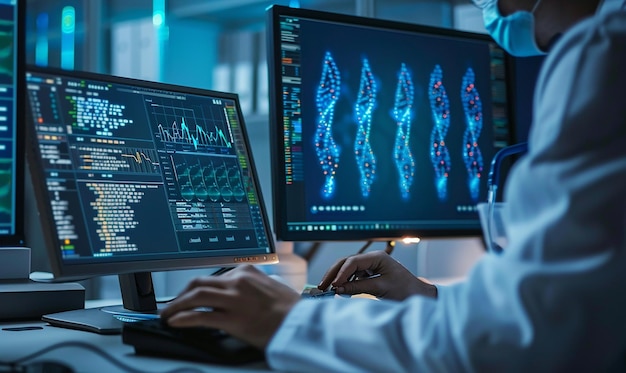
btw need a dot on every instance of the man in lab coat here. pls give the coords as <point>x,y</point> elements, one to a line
<point>555,300</point>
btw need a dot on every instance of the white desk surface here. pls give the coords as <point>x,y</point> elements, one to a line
<point>72,348</point>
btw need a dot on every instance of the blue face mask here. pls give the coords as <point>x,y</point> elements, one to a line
<point>515,32</point>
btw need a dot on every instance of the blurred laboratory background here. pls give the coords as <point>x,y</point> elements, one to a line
<point>214,44</point>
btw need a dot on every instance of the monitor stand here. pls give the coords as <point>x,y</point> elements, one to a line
<point>139,302</point>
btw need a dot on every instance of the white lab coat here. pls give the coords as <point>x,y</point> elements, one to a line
<point>556,299</point>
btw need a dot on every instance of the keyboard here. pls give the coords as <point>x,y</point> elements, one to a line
<point>155,338</point>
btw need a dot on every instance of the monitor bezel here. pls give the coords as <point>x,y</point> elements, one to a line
<point>17,237</point>
<point>63,271</point>
<point>280,207</point>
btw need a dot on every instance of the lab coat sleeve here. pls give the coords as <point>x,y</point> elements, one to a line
<point>360,335</point>
<point>554,301</point>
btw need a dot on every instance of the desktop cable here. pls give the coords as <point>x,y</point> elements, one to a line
<point>22,365</point>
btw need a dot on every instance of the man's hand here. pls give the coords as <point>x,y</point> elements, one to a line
<point>244,302</point>
<point>375,273</point>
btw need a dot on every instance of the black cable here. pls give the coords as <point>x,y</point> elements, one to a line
<point>367,244</point>
<point>313,249</point>
<point>222,270</point>
<point>17,363</point>
<point>219,272</point>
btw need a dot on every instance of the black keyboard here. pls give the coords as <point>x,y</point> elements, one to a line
<point>153,337</point>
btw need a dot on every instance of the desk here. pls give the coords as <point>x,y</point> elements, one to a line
<point>17,345</point>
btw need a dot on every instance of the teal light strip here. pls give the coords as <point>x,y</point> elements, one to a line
<point>158,13</point>
<point>68,32</point>
<point>162,31</point>
<point>41,43</point>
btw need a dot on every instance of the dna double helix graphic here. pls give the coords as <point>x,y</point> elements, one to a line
<point>402,114</point>
<point>439,153</point>
<point>366,100</point>
<point>326,148</point>
<point>328,151</point>
<point>474,120</point>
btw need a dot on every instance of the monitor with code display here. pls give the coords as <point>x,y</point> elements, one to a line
<point>133,176</point>
<point>380,129</point>
<point>11,134</point>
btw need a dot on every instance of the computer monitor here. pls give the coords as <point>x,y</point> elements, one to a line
<point>380,129</point>
<point>11,114</point>
<point>133,176</point>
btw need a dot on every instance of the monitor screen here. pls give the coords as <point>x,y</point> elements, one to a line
<point>133,176</point>
<point>11,139</point>
<point>379,129</point>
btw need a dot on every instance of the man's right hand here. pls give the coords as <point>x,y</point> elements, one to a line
<point>375,273</point>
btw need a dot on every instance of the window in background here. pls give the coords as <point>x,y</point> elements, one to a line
<point>468,17</point>
<point>429,13</point>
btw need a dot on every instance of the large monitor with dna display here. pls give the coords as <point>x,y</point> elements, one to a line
<point>381,129</point>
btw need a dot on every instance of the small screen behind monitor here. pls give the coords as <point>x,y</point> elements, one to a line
<point>134,176</point>
<point>11,94</point>
<point>380,130</point>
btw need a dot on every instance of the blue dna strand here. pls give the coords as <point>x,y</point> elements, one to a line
<point>473,108</point>
<point>402,114</point>
<point>364,108</point>
<point>439,153</point>
<point>326,149</point>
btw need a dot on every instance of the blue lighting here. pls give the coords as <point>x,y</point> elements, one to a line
<point>158,13</point>
<point>41,43</point>
<point>68,30</point>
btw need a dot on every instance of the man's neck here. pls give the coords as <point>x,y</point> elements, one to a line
<point>554,17</point>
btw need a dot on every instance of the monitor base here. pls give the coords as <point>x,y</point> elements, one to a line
<point>104,320</point>
<point>90,319</point>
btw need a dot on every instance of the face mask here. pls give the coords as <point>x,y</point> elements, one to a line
<point>515,32</point>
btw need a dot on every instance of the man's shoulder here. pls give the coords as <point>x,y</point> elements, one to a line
<point>587,47</point>
<point>606,29</point>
